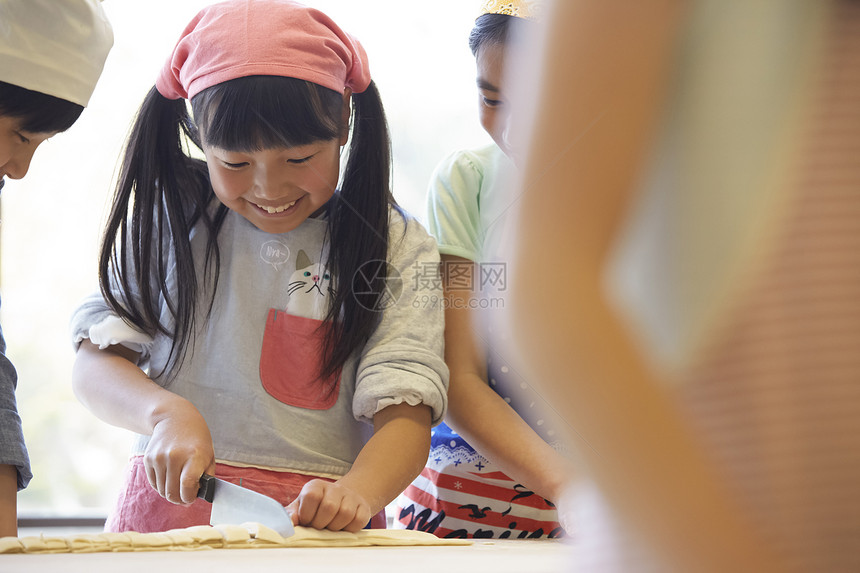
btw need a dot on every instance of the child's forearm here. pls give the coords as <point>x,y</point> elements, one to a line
<point>393,457</point>
<point>477,413</point>
<point>8,501</point>
<point>386,465</point>
<point>109,383</point>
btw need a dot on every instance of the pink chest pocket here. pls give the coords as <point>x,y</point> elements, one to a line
<point>291,359</point>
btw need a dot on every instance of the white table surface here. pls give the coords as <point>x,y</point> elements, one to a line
<point>491,556</point>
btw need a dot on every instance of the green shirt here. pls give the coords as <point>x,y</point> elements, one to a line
<point>466,200</point>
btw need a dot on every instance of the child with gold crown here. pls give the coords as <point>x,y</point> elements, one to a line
<point>498,483</point>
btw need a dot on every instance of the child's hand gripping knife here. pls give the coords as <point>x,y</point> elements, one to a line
<point>179,451</point>
<point>111,385</point>
<point>389,461</point>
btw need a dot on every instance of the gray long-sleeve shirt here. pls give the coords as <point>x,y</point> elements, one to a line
<point>239,371</point>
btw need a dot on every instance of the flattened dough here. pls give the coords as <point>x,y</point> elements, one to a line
<point>204,537</point>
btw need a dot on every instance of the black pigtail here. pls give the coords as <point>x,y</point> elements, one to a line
<point>358,228</point>
<point>160,195</point>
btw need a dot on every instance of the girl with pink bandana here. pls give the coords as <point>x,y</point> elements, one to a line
<point>256,318</point>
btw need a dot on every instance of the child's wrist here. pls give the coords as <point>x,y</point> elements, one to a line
<point>168,406</point>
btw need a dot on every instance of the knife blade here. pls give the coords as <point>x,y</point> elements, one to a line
<point>233,504</point>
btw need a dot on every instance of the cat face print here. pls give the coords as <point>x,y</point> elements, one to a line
<point>310,288</point>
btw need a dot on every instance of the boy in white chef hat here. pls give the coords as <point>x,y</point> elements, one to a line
<point>51,55</point>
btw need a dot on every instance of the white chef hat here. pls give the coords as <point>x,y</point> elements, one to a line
<point>57,47</point>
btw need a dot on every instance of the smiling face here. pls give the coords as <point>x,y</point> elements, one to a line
<point>272,147</point>
<point>493,107</point>
<point>17,147</point>
<point>276,189</point>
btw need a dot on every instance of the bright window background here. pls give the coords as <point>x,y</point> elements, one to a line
<point>51,221</point>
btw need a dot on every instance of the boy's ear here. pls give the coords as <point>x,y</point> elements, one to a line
<point>345,113</point>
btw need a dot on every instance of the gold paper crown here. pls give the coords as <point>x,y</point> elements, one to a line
<point>528,9</point>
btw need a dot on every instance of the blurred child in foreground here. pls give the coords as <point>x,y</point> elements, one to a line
<point>707,313</point>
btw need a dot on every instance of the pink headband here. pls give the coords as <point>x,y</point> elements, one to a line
<point>241,38</point>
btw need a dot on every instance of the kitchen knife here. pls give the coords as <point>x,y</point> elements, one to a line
<point>235,505</point>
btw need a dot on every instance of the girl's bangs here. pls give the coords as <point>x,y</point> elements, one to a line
<point>265,112</point>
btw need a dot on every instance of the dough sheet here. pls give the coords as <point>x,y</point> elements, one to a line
<point>204,537</point>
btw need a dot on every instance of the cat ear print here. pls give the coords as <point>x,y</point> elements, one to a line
<point>302,260</point>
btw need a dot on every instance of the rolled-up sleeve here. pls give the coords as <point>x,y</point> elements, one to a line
<point>404,359</point>
<point>96,321</point>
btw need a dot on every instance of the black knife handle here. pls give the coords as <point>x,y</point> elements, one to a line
<point>207,488</point>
